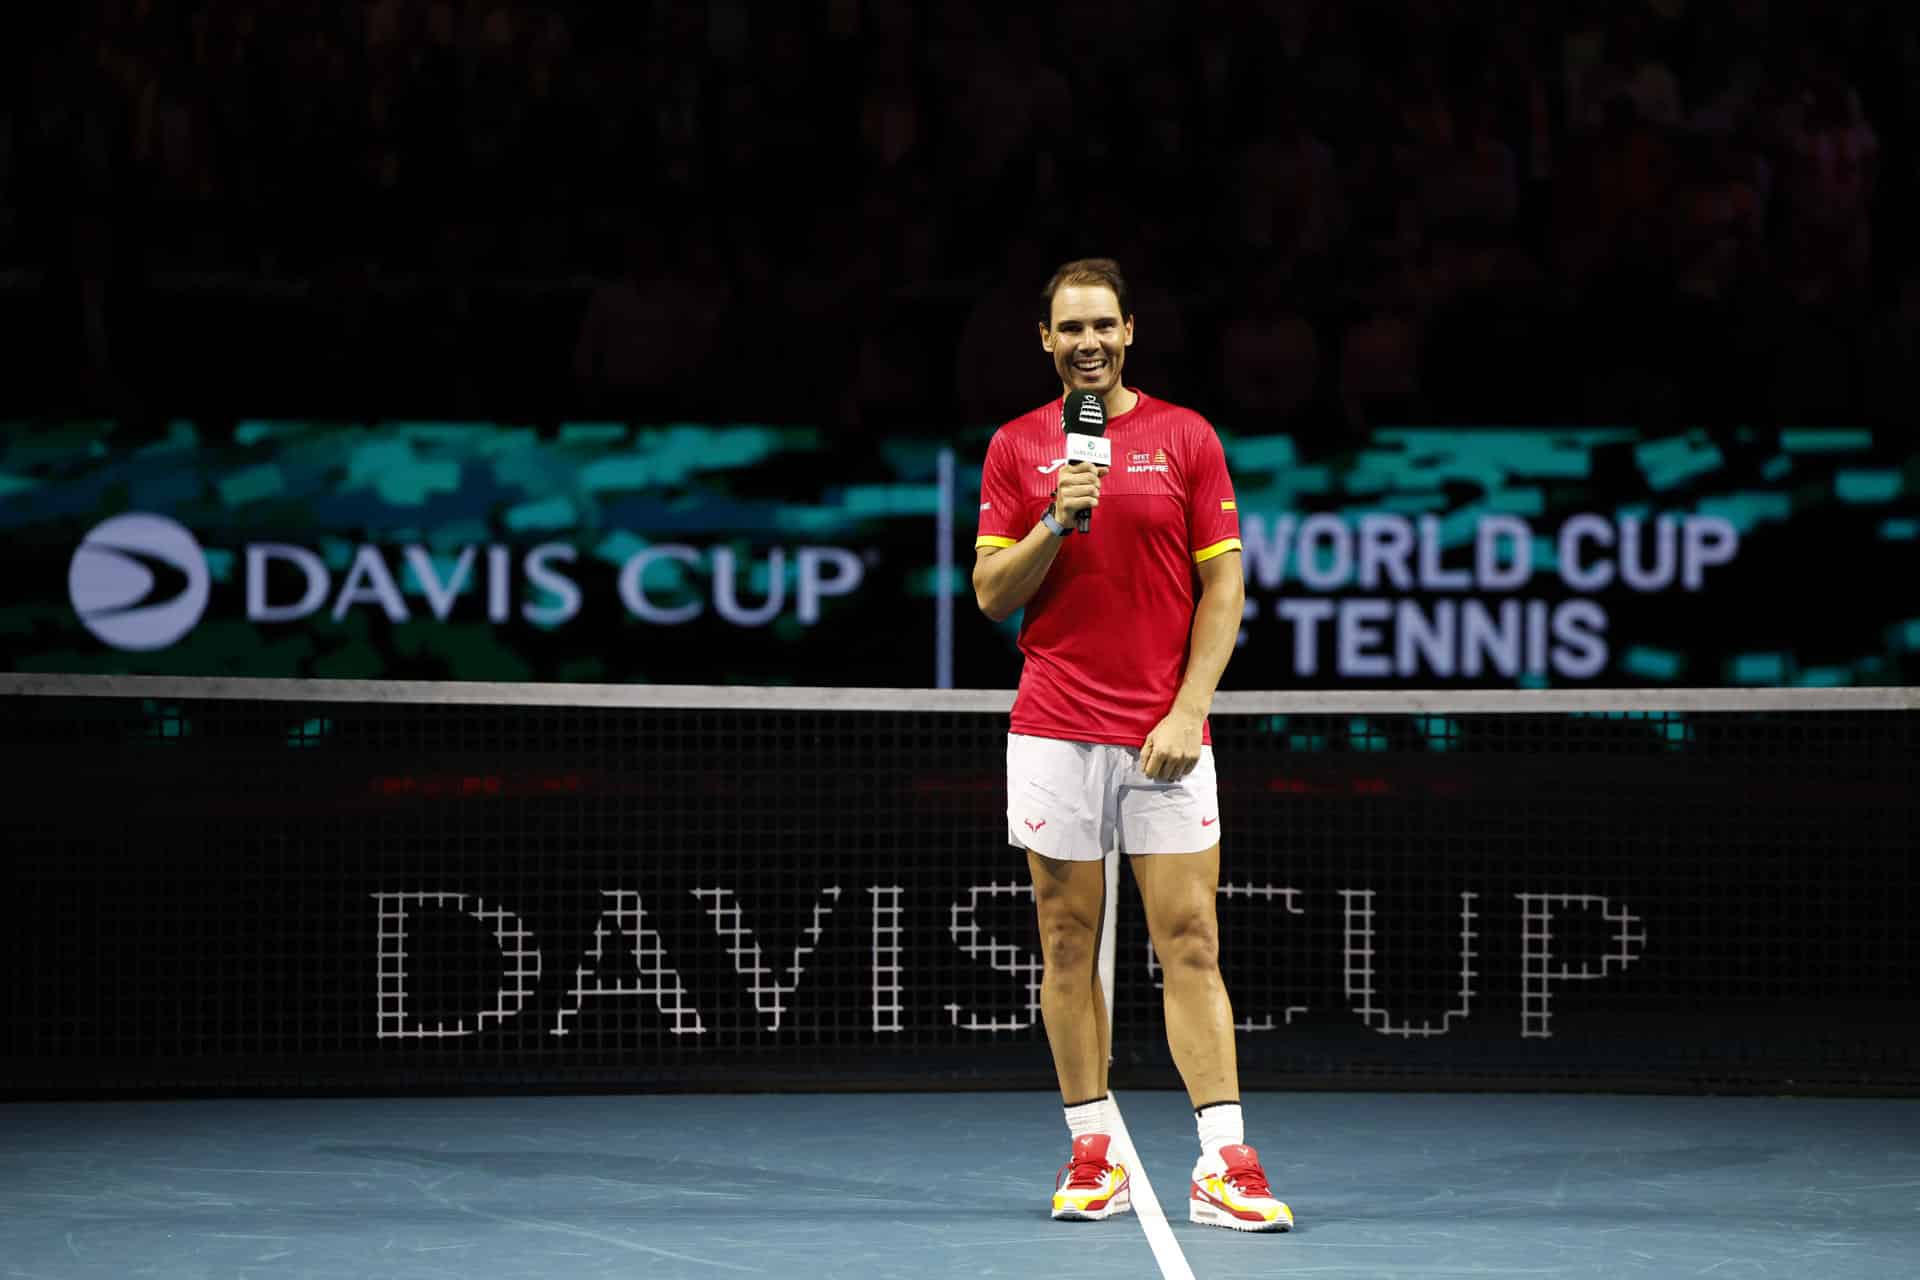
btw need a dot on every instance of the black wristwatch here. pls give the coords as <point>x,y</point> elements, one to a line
<point>1054,527</point>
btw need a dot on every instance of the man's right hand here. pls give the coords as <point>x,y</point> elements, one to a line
<point>1079,490</point>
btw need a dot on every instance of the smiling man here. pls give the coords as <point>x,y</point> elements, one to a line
<point>1126,633</point>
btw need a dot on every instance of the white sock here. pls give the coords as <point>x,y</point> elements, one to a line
<point>1220,1126</point>
<point>1088,1117</point>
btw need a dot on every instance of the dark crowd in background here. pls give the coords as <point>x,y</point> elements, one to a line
<point>1335,213</point>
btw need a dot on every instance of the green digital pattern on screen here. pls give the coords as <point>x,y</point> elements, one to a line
<point>774,554</point>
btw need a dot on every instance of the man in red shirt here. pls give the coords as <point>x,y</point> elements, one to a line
<point>1109,748</point>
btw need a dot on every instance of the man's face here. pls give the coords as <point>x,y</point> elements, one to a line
<point>1088,337</point>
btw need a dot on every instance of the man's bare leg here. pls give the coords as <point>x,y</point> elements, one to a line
<point>1178,891</point>
<point>1094,1183</point>
<point>1069,897</point>
<point>1229,1187</point>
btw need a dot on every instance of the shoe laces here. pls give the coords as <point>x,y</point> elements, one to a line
<point>1085,1171</point>
<point>1249,1179</point>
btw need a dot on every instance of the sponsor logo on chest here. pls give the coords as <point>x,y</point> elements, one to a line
<point>1141,460</point>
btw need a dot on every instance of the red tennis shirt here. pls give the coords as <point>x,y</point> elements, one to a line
<point>1107,633</point>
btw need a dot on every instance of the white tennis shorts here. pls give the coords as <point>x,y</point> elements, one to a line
<point>1077,800</point>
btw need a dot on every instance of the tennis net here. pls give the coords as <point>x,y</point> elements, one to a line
<point>302,885</point>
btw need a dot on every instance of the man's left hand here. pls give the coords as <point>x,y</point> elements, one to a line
<point>1173,748</point>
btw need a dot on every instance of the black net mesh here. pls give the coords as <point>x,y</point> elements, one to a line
<point>225,894</point>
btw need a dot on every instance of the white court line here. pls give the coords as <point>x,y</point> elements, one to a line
<point>1146,1205</point>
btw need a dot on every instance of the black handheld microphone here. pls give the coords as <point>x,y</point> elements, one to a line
<point>1084,414</point>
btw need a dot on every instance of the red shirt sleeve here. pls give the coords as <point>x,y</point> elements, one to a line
<point>1213,517</point>
<point>1001,523</point>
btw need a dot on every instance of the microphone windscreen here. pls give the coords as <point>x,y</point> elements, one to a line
<point>1085,412</point>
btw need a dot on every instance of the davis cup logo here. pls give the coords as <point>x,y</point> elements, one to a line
<point>139,581</point>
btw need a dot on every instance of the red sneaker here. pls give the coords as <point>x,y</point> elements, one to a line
<point>1089,1186</point>
<point>1230,1190</point>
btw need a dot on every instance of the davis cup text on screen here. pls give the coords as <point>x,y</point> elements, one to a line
<point>1495,632</point>
<point>629,958</point>
<point>1366,596</point>
<point>142,582</point>
<point>550,569</point>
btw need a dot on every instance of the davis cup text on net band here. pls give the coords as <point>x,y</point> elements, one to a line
<point>1760,834</point>
<point>630,959</point>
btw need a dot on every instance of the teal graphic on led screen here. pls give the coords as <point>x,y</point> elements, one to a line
<point>718,553</point>
<point>474,550</point>
<point>1580,556</point>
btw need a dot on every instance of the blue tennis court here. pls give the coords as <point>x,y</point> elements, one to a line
<point>935,1185</point>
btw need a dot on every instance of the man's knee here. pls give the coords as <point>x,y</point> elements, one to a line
<point>1068,898</point>
<point>1066,944</point>
<point>1191,945</point>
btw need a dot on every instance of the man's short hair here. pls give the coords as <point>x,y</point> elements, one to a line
<point>1086,271</point>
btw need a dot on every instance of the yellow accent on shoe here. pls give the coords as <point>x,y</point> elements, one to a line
<point>1089,1186</point>
<point>1230,1190</point>
<point>1110,1197</point>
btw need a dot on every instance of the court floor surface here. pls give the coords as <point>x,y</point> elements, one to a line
<point>929,1186</point>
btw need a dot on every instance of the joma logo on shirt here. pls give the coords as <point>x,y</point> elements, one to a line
<point>1051,467</point>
